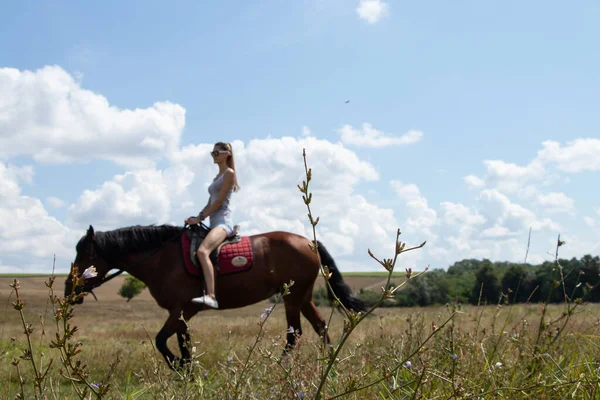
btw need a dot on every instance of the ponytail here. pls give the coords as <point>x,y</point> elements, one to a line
<point>231,164</point>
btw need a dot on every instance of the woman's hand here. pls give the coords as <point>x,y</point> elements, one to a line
<point>192,220</point>
<point>195,220</point>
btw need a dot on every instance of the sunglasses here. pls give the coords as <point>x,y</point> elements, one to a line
<point>215,153</point>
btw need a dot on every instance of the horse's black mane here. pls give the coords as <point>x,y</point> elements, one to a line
<point>135,238</point>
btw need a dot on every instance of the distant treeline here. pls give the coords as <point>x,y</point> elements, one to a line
<point>485,282</point>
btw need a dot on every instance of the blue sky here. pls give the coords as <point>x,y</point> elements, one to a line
<point>504,93</point>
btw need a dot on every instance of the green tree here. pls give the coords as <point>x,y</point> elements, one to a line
<point>131,288</point>
<point>416,293</point>
<point>461,278</point>
<point>490,292</point>
<point>590,269</point>
<point>513,282</point>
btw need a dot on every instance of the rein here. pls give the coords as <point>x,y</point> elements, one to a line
<point>103,281</point>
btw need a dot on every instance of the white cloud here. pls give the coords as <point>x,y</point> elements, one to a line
<point>11,175</point>
<point>509,177</point>
<point>420,218</point>
<point>27,231</point>
<point>55,202</point>
<point>496,231</point>
<point>306,131</point>
<point>372,10</point>
<point>57,121</point>
<point>589,221</point>
<point>368,225</point>
<point>460,214</point>
<point>556,202</point>
<point>578,155</point>
<point>135,197</point>
<point>473,181</point>
<point>469,233</point>
<point>459,225</point>
<point>371,137</point>
<point>516,218</point>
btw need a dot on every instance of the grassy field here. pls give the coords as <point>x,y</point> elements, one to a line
<point>482,352</point>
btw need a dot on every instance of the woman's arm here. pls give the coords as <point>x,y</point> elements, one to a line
<point>205,207</point>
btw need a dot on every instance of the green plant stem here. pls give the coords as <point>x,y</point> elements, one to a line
<point>37,381</point>
<point>21,382</point>
<point>313,222</point>
<point>251,350</point>
<point>414,396</point>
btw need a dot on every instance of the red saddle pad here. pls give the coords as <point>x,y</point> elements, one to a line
<point>232,258</point>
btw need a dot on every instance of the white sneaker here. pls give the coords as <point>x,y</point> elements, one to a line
<point>209,301</point>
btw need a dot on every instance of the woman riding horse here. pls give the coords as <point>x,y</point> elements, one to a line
<point>221,223</point>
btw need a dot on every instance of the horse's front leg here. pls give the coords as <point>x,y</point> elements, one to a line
<point>184,346</point>
<point>161,344</point>
<point>175,324</point>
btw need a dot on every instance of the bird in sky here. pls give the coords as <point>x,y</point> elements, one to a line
<point>347,101</point>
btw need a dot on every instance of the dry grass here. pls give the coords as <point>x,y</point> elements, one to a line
<point>480,337</point>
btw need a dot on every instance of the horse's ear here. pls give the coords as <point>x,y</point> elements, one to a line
<point>90,233</point>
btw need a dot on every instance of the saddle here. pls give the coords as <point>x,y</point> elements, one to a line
<point>234,254</point>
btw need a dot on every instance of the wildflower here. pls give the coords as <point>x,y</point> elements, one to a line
<point>266,313</point>
<point>453,356</point>
<point>229,359</point>
<point>94,385</point>
<point>89,273</point>
<point>407,365</point>
<point>300,394</point>
<point>498,364</point>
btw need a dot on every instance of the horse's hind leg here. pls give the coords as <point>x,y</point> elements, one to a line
<point>311,313</point>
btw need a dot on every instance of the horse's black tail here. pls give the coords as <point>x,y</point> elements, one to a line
<point>340,288</point>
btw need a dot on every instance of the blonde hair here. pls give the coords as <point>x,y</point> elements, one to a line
<point>230,162</point>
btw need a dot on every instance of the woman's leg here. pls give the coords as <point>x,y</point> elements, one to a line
<point>214,237</point>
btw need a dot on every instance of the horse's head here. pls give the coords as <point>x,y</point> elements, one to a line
<point>88,270</point>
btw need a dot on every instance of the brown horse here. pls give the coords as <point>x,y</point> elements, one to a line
<point>154,255</point>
